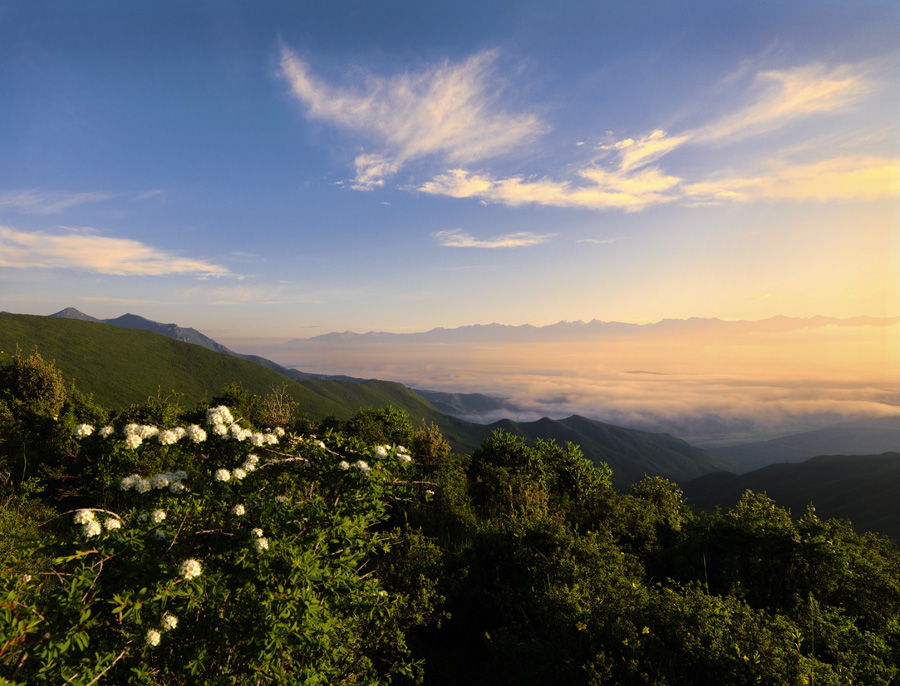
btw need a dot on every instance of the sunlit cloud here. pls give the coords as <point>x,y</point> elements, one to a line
<point>637,153</point>
<point>33,201</point>
<point>781,97</point>
<point>456,238</point>
<point>85,250</point>
<point>447,110</point>
<point>600,241</point>
<point>598,189</point>
<point>840,178</point>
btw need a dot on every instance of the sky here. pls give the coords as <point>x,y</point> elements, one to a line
<point>286,169</point>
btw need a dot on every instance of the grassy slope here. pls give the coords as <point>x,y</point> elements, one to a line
<point>862,488</point>
<point>120,366</point>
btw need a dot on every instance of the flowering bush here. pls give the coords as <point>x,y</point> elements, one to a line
<point>231,567</point>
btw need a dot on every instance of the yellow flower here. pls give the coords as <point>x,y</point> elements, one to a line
<point>646,630</point>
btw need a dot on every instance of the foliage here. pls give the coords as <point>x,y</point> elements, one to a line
<point>204,545</point>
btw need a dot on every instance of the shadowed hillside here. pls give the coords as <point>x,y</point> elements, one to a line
<point>862,488</point>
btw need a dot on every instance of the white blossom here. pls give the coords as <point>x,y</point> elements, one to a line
<point>177,487</point>
<point>83,430</point>
<point>180,474</point>
<point>220,430</point>
<point>25,578</point>
<point>257,439</point>
<point>152,637</point>
<point>189,569</point>
<point>167,437</point>
<point>271,439</point>
<point>180,432</point>
<point>84,516</point>
<point>238,510</point>
<point>279,431</point>
<point>169,621</point>
<point>344,465</point>
<point>196,434</point>
<point>257,532</point>
<point>239,473</point>
<point>131,429</point>
<point>160,481</point>
<point>133,441</point>
<point>261,544</point>
<point>403,457</point>
<point>148,431</point>
<point>112,523</point>
<point>106,431</point>
<point>142,485</point>
<point>381,451</point>
<point>219,415</point>
<point>222,475</point>
<point>91,529</point>
<point>127,482</point>
<point>361,466</point>
<point>158,516</point>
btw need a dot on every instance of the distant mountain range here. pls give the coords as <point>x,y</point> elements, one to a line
<point>862,488</point>
<point>120,366</point>
<point>880,435</point>
<point>593,330</point>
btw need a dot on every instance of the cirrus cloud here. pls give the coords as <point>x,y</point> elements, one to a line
<point>447,110</point>
<point>457,238</point>
<point>85,250</point>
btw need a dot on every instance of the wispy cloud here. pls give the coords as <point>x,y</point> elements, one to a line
<point>85,250</point>
<point>600,241</point>
<point>845,178</point>
<point>447,110</point>
<point>34,201</point>
<point>598,189</point>
<point>628,175</point>
<point>457,238</point>
<point>781,97</point>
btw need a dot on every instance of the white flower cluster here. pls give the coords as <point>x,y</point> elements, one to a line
<point>90,527</point>
<point>167,623</point>
<point>238,510</point>
<point>135,434</point>
<point>402,455</point>
<point>250,463</point>
<point>152,637</point>
<point>171,480</point>
<point>190,569</point>
<point>106,431</point>
<point>220,416</point>
<point>361,466</point>
<point>83,430</point>
<point>261,543</point>
<point>382,450</point>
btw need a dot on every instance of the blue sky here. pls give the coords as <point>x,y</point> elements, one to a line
<point>286,169</point>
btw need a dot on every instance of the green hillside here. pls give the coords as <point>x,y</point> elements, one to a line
<point>862,488</point>
<point>120,366</point>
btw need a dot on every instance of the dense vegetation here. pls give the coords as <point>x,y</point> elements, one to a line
<point>232,541</point>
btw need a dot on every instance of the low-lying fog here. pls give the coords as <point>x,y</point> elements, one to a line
<point>704,383</point>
